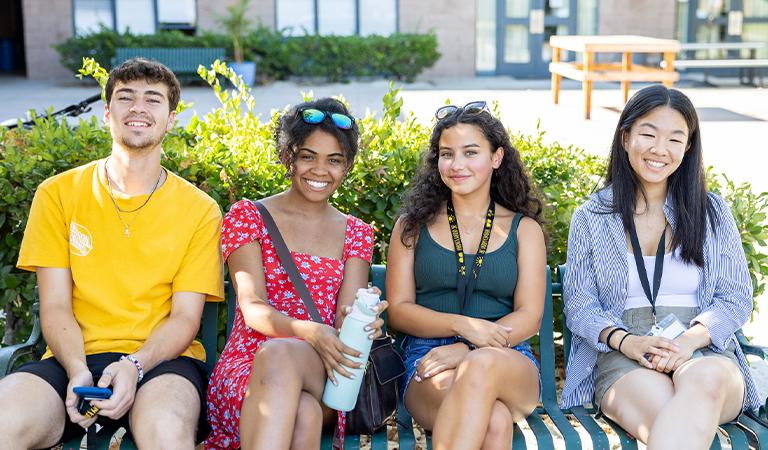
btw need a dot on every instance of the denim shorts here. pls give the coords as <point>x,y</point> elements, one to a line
<point>415,348</point>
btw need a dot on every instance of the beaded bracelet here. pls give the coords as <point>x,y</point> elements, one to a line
<point>608,338</point>
<point>136,363</point>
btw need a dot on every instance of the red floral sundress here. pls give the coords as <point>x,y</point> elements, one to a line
<point>243,224</point>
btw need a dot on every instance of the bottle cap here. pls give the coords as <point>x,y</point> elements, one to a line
<point>366,300</point>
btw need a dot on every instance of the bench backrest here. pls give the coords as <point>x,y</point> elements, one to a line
<point>183,60</point>
<point>211,337</point>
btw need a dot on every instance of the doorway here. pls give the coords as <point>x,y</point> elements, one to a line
<point>12,61</point>
<point>523,30</point>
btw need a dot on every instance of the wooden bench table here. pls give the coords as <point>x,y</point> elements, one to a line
<point>589,71</point>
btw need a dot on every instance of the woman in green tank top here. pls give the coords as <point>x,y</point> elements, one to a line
<point>468,316</point>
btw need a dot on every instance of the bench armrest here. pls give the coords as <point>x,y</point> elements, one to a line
<point>751,349</point>
<point>9,354</point>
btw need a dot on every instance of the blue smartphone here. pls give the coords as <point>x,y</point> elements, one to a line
<point>92,393</point>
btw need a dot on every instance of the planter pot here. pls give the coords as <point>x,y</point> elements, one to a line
<point>246,70</point>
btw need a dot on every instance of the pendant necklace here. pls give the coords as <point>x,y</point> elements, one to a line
<point>119,211</point>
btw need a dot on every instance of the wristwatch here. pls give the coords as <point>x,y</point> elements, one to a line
<point>464,341</point>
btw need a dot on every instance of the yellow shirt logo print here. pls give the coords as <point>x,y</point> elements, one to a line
<point>80,241</point>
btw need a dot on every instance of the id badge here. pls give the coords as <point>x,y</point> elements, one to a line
<point>669,327</point>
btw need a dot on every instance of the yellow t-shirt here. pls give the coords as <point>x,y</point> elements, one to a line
<point>122,286</point>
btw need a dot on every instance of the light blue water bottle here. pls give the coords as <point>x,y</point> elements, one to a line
<point>342,397</point>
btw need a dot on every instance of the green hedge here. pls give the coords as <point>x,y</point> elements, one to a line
<point>230,155</point>
<point>332,58</point>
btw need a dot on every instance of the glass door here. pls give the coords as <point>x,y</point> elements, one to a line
<point>523,31</point>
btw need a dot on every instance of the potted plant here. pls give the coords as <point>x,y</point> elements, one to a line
<point>236,24</point>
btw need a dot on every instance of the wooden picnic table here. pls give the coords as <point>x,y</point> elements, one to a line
<point>589,71</point>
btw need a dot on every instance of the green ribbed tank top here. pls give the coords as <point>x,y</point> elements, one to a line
<point>436,275</point>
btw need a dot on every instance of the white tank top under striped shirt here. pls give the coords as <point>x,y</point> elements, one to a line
<point>679,282</point>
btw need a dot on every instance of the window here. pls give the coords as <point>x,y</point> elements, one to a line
<point>380,17</point>
<point>340,17</point>
<point>296,17</point>
<point>138,16</point>
<point>177,14</point>
<point>336,17</point>
<point>90,15</point>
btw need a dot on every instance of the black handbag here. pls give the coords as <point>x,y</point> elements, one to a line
<point>377,400</point>
<point>379,392</point>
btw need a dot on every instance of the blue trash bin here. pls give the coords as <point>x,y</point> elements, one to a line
<point>7,55</point>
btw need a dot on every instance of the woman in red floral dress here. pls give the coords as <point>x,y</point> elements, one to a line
<point>266,388</point>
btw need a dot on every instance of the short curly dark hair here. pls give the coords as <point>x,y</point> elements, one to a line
<point>291,131</point>
<point>511,186</point>
<point>151,72</point>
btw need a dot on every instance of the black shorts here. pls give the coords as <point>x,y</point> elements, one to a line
<point>53,373</point>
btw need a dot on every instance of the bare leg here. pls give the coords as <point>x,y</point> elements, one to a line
<point>31,413</point>
<point>635,400</point>
<point>309,424</point>
<point>498,436</point>
<point>424,399</point>
<point>165,413</point>
<point>485,376</point>
<point>708,391</point>
<point>283,369</point>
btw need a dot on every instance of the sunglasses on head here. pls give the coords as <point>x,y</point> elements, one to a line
<point>470,108</point>
<point>315,116</point>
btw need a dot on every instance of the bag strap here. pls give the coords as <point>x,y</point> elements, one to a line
<point>288,263</point>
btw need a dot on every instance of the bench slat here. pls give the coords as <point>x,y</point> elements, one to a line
<point>379,440</point>
<point>544,439</point>
<point>570,435</point>
<point>736,435</point>
<point>518,440</point>
<point>181,60</point>
<point>760,431</point>
<point>627,441</point>
<point>405,428</point>
<point>599,438</point>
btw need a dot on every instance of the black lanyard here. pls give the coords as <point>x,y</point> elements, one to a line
<point>466,285</point>
<point>658,268</point>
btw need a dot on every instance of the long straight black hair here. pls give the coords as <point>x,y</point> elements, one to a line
<point>686,185</point>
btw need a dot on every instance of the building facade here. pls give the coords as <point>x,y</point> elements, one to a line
<point>475,37</point>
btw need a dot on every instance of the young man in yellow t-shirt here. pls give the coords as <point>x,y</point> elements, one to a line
<point>126,254</point>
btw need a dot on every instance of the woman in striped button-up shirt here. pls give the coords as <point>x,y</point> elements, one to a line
<point>669,393</point>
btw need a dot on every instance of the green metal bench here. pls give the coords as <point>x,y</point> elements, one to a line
<point>211,338</point>
<point>742,434</point>
<point>183,61</point>
<point>747,432</point>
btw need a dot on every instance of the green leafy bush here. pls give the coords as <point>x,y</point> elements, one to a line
<point>332,58</point>
<point>229,153</point>
<point>749,211</point>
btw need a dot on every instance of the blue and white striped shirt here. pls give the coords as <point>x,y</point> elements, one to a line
<point>595,288</point>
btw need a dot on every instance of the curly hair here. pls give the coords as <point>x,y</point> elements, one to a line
<point>291,131</point>
<point>510,184</point>
<point>151,72</point>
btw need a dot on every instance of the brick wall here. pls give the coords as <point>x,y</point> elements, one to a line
<point>654,18</point>
<point>46,22</point>
<point>454,24</point>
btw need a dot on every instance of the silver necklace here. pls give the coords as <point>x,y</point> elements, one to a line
<point>119,211</point>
